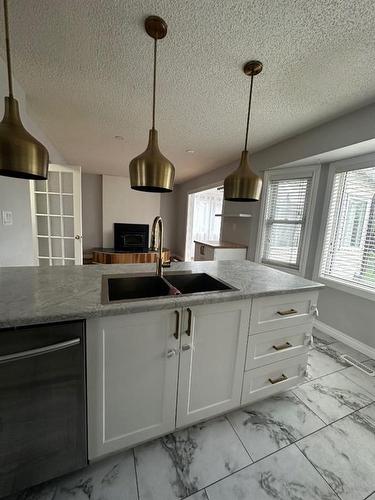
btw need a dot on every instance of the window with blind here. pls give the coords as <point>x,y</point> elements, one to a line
<point>349,244</point>
<point>285,221</point>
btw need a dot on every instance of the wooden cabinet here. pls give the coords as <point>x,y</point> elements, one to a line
<point>153,372</point>
<point>132,379</point>
<point>133,371</point>
<point>212,359</point>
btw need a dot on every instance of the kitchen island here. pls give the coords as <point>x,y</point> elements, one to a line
<point>158,364</point>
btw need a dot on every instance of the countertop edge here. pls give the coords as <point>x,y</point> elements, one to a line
<point>162,303</point>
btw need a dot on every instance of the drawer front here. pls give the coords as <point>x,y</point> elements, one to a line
<point>276,345</point>
<point>271,379</point>
<point>281,311</point>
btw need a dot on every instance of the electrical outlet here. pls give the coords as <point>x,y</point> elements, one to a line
<point>7,218</point>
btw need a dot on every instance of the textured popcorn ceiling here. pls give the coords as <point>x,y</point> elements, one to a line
<point>86,67</point>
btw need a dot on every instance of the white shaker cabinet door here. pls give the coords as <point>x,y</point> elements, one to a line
<point>212,359</point>
<point>132,379</point>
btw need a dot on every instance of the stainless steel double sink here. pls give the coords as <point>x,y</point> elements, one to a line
<point>121,288</point>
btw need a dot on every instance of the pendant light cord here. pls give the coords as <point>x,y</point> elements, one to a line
<point>154,86</point>
<point>248,113</point>
<point>10,84</point>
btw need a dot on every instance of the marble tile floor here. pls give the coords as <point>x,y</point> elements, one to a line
<point>315,442</point>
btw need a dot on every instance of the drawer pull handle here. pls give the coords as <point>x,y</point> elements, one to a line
<point>287,312</point>
<point>188,331</point>
<point>278,380</point>
<point>281,347</point>
<point>176,333</point>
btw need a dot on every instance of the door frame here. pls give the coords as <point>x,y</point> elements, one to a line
<point>188,221</point>
<point>77,207</point>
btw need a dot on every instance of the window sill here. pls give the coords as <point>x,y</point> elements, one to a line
<point>344,287</point>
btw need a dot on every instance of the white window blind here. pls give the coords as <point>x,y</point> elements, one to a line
<point>285,220</point>
<point>349,243</point>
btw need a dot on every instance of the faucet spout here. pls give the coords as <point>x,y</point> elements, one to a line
<point>157,243</point>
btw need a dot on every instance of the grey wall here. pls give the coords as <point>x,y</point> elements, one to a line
<point>16,241</point>
<point>92,211</point>
<point>169,213</point>
<point>346,312</point>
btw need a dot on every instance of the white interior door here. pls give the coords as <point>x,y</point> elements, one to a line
<point>57,217</point>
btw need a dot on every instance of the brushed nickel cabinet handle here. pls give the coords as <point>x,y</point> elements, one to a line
<point>287,312</point>
<point>177,332</point>
<point>278,380</point>
<point>186,347</point>
<point>39,351</point>
<point>281,347</point>
<point>188,331</point>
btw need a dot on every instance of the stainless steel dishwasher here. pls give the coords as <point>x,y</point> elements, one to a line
<point>43,431</point>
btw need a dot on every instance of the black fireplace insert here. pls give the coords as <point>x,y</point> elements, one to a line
<point>131,237</point>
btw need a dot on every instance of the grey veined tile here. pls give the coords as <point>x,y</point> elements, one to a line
<point>273,423</point>
<point>344,454</point>
<point>321,338</point>
<point>333,396</point>
<point>201,495</point>
<point>110,479</point>
<point>336,349</point>
<point>44,491</point>
<point>285,475</point>
<point>320,364</point>
<point>186,461</point>
<point>361,378</point>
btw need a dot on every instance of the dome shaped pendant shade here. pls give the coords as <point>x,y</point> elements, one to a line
<point>243,184</point>
<point>21,155</point>
<point>151,171</point>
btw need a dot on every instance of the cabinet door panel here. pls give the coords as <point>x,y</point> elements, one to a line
<point>211,370</point>
<point>132,383</point>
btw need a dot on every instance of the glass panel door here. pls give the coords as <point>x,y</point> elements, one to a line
<point>57,217</point>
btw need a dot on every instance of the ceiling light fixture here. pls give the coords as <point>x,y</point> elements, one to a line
<point>243,184</point>
<point>21,155</point>
<point>151,171</point>
<point>190,151</point>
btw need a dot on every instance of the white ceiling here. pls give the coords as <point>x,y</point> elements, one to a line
<point>86,67</point>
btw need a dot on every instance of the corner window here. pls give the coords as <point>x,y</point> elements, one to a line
<point>348,254</point>
<point>286,220</point>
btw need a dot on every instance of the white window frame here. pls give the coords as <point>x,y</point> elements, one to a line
<point>312,171</point>
<point>357,163</point>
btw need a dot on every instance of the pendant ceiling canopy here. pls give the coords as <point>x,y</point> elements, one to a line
<point>151,171</point>
<point>21,155</point>
<point>243,184</point>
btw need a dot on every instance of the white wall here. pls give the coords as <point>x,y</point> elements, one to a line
<point>123,204</point>
<point>16,247</point>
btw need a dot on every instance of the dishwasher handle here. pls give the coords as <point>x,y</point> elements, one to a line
<point>6,358</point>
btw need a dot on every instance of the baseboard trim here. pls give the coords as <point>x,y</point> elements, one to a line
<point>345,339</point>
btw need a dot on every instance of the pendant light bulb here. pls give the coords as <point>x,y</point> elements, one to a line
<point>151,171</point>
<point>243,184</point>
<point>21,155</point>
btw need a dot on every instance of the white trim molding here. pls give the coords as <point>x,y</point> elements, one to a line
<point>345,339</point>
<point>312,171</point>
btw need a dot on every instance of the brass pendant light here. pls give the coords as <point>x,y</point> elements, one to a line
<point>151,171</point>
<point>243,184</point>
<point>21,155</point>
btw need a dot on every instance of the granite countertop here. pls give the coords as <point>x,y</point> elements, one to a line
<point>31,295</point>
<point>219,244</point>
